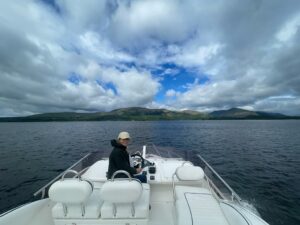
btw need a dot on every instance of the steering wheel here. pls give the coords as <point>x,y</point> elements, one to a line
<point>141,158</point>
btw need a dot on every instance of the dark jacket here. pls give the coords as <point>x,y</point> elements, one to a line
<point>119,160</point>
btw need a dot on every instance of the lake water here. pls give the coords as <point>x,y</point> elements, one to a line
<point>259,159</point>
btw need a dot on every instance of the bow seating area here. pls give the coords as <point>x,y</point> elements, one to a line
<point>75,199</point>
<point>77,202</point>
<point>125,199</point>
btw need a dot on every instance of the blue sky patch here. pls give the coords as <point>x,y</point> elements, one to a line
<point>177,78</point>
<point>75,78</point>
<point>108,85</point>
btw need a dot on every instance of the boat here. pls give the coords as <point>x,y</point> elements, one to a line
<point>178,192</point>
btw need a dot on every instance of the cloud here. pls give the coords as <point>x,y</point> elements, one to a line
<point>253,64</point>
<point>122,52</point>
<point>133,87</point>
<point>36,63</point>
<point>81,16</point>
<point>138,24</point>
<point>172,93</point>
<point>287,105</point>
<point>289,30</point>
<point>194,55</point>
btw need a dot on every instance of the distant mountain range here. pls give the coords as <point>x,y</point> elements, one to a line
<point>144,114</point>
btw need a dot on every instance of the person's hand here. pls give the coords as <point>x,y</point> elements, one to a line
<point>138,170</point>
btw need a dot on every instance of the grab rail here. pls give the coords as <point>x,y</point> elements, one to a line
<point>234,195</point>
<point>121,171</point>
<point>43,189</point>
<point>71,171</point>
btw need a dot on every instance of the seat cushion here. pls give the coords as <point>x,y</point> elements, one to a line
<point>189,173</point>
<point>197,206</point>
<point>121,191</point>
<point>70,191</point>
<point>124,210</point>
<point>92,208</point>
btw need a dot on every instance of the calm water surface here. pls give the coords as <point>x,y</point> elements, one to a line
<point>259,159</point>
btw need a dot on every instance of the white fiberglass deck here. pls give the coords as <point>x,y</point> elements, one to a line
<point>187,202</point>
<point>162,210</point>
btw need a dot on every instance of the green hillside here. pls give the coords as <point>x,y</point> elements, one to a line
<point>144,114</point>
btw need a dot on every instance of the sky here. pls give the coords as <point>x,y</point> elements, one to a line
<point>97,55</point>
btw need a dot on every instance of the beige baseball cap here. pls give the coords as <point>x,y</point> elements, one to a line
<point>124,135</point>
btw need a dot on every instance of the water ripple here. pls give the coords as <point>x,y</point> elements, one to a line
<point>259,159</point>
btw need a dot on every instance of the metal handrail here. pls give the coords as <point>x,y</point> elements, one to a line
<point>121,171</point>
<point>233,193</point>
<point>215,188</point>
<point>83,170</point>
<point>42,190</point>
<point>71,171</point>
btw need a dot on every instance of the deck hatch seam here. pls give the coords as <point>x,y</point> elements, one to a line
<point>189,204</point>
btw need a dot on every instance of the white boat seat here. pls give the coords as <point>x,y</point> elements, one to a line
<point>125,199</point>
<point>75,199</point>
<point>197,206</point>
<point>187,173</point>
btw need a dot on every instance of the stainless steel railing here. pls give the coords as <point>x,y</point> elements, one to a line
<point>233,195</point>
<point>44,188</point>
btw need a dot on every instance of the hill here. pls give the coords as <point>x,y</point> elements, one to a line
<point>144,114</point>
<point>237,113</point>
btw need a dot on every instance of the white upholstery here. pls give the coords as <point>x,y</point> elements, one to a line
<point>74,199</point>
<point>189,173</point>
<point>70,191</point>
<point>92,208</point>
<point>124,210</point>
<point>121,191</point>
<point>197,206</point>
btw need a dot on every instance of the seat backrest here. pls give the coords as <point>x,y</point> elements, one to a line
<point>189,173</point>
<point>70,191</point>
<point>70,196</point>
<point>120,197</point>
<point>121,191</point>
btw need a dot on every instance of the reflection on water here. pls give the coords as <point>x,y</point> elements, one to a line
<point>259,159</point>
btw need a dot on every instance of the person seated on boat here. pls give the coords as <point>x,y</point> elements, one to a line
<point>119,159</point>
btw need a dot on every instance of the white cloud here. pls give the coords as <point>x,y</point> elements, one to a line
<point>80,16</point>
<point>289,30</point>
<point>133,87</point>
<point>196,55</point>
<point>172,93</point>
<point>37,79</point>
<point>248,51</point>
<point>141,23</point>
<point>94,44</point>
<point>288,106</point>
